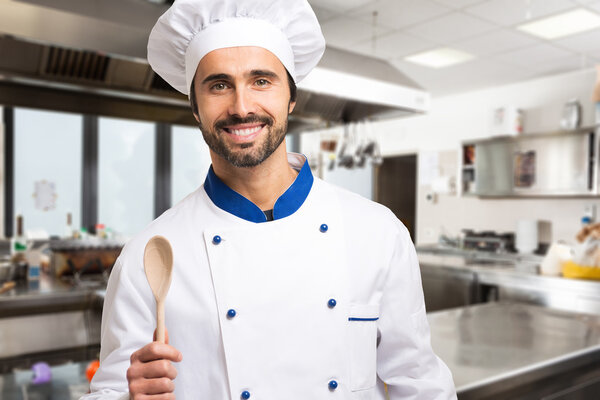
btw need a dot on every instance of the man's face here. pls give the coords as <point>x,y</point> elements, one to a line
<point>243,102</point>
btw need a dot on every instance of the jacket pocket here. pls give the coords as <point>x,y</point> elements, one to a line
<point>362,325</point>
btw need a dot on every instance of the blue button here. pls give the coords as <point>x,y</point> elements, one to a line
<point>332,385</point>
<point>245,395</point>
<point>231,313</point>
<point>331,303</point>
<point>216,239</point>
<point>323,228</point>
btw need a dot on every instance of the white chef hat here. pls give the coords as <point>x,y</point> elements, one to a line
<point>190,29</point>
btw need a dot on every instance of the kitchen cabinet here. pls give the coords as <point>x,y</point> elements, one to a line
<point>447,287</point>
<point>549,164</point>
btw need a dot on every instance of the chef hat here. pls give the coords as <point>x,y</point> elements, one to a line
<point>190,29</point>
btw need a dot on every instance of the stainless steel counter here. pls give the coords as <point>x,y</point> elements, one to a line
<point>494,348</point>
<point>68,382</point>
<point>50,295</point>
<point>516,280</point>
<point>50,320</point>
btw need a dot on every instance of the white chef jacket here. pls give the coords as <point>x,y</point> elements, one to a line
<point>324,302</point>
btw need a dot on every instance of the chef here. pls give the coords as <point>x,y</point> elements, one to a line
<point>284,286</point>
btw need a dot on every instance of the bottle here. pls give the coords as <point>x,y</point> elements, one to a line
<point>586,220</point>
<point>69,227</point>
<point>100,231</point>
<point>18,242</point>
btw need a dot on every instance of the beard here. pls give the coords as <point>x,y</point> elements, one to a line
<point>249,154</point>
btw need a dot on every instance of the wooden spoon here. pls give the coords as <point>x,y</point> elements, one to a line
<point>158,264</point>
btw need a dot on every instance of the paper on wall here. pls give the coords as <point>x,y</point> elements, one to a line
<point>429,168</point>
<point>45,195</point>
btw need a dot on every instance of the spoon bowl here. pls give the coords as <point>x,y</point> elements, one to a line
<point>158,265</point>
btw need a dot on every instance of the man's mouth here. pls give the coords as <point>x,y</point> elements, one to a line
<point>243,130</point>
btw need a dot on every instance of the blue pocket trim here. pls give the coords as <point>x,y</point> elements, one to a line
<point>362,319</point>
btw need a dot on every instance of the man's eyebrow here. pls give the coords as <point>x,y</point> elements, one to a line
<point>263,72</point>
<point>216,77</point>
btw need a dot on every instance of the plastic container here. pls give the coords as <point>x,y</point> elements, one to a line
<point>576,271</point>
<point>556,256</point>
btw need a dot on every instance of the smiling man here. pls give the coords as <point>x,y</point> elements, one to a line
<point>284,286</point>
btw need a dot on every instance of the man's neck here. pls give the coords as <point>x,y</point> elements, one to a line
<point>262,184</point>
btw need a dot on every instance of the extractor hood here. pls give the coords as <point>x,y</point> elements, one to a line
<point>92,51</point>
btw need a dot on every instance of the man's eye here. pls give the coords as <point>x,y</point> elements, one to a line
<point>262,82</point>
<point>219,86</point>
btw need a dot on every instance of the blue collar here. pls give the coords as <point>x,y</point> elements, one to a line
<point>288,203</point>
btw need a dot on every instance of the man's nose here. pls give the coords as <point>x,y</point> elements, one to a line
<point>242,103</point>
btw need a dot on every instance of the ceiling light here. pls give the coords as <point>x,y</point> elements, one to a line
<point>438,58</point>
<point>569,23</point>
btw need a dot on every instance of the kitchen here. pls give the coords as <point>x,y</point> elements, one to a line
<point>95,146</point>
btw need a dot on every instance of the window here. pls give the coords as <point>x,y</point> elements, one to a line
<point>190,160</point>
<point>47,169</point>
<point>125,174</point>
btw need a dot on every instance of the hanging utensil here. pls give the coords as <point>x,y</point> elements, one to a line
<point>158,265</point>
<point>346,158</point>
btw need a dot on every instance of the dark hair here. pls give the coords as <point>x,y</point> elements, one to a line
<point>291,84</point>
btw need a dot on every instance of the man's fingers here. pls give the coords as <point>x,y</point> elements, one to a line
<point>163,396</point>
<point>166,336</point>
<point>160,369</point>
<point>151,370</point>
<point>156,351</point>
<point>158,386</point>
<point>151,388</point>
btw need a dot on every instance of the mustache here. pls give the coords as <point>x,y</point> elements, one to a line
<point>233,120</point>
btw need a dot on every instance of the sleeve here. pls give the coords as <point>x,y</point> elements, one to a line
<point>405,360</point>
<point>127,325</point>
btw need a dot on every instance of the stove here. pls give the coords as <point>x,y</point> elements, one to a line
<point>489,241</point>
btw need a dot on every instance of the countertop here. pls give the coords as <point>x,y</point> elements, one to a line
<point>518,272</point>
<point>49,294</point>
<point>487,346</point>
<point>68,382</point>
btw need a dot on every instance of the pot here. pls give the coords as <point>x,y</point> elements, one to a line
<point>7,271</point>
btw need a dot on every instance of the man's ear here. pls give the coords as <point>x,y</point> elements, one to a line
<point>291,107</point>
<point>196,116</point>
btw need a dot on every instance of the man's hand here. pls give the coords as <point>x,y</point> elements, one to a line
<point>151,373</point>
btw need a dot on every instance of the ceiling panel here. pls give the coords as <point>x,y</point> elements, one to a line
<point>451,27</point>
<point>345,32</point>
<point>533,56</point>
<point>584,42</point>
<point>512,12</point>
<point>394,45</point>
<point>323,14</point>
<point>463,77</point>
<point>397,14</point>
<point>595,5</point>
<point>561,65</point>
<point>495,42</point>
<point>340,5</point>
<point>457,4</point>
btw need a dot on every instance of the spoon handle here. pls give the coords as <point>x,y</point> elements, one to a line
<point>160,321</point>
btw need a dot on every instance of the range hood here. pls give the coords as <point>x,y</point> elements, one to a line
<point>96,56</point>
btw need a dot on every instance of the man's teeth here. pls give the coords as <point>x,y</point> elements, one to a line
<point>245,132</point>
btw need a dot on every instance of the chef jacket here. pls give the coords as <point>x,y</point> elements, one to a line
<point>324,302</point>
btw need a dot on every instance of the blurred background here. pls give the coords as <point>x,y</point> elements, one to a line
<point>474,121</point>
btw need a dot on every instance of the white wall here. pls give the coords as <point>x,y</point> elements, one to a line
<point>461,117</point>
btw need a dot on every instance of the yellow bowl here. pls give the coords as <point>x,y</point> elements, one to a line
<point>576,271</point>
